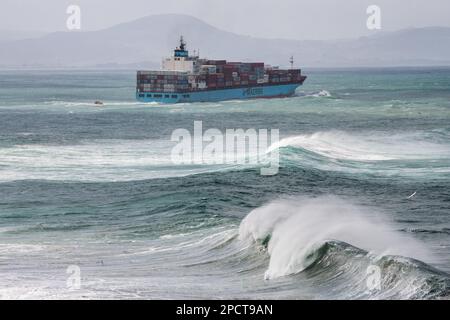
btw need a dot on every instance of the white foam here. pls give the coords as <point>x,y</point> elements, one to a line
<point>369,146</point>
<point>321,93</point>
<point>100,160</point>
<point>17,249</point>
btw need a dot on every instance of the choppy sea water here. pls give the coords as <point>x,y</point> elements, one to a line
<point>363,185</point>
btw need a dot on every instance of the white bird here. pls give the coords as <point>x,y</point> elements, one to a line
<point>410,197</point>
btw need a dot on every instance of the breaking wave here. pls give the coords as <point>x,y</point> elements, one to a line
<point>368,146</point>
<point>334,241</point>
<point>95,161</point>
<point>414,155</point>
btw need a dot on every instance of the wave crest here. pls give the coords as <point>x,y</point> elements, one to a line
<point>331,238</point>
<point>368,146</point>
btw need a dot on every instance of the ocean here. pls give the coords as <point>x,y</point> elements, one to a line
<point>92,207</point>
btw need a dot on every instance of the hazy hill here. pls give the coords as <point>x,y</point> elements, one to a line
<point>13,35</point>
<point>146,41</point>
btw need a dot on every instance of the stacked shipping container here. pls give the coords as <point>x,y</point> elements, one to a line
<point>216,74</point>
<point>162,81</point>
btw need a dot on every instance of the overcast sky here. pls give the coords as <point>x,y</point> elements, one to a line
<point>295,19</point>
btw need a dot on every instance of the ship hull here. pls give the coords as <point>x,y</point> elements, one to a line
<point>268,91</point>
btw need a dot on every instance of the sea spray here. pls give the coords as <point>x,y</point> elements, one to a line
<point>298,227</point>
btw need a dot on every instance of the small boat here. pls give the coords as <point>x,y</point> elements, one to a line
<point>98,103</point>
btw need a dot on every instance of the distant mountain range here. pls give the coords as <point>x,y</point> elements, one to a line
<point>144,42</point>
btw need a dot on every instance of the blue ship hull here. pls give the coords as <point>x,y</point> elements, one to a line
<point>268,91</point>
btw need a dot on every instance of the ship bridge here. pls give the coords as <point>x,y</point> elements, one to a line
<point>181,50</point>
<point>180,61</point>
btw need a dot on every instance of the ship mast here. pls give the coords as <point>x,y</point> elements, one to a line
<point>291,61</point>
<point>182,43</point>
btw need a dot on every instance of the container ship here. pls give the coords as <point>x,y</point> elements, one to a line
<point>186,78</point>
